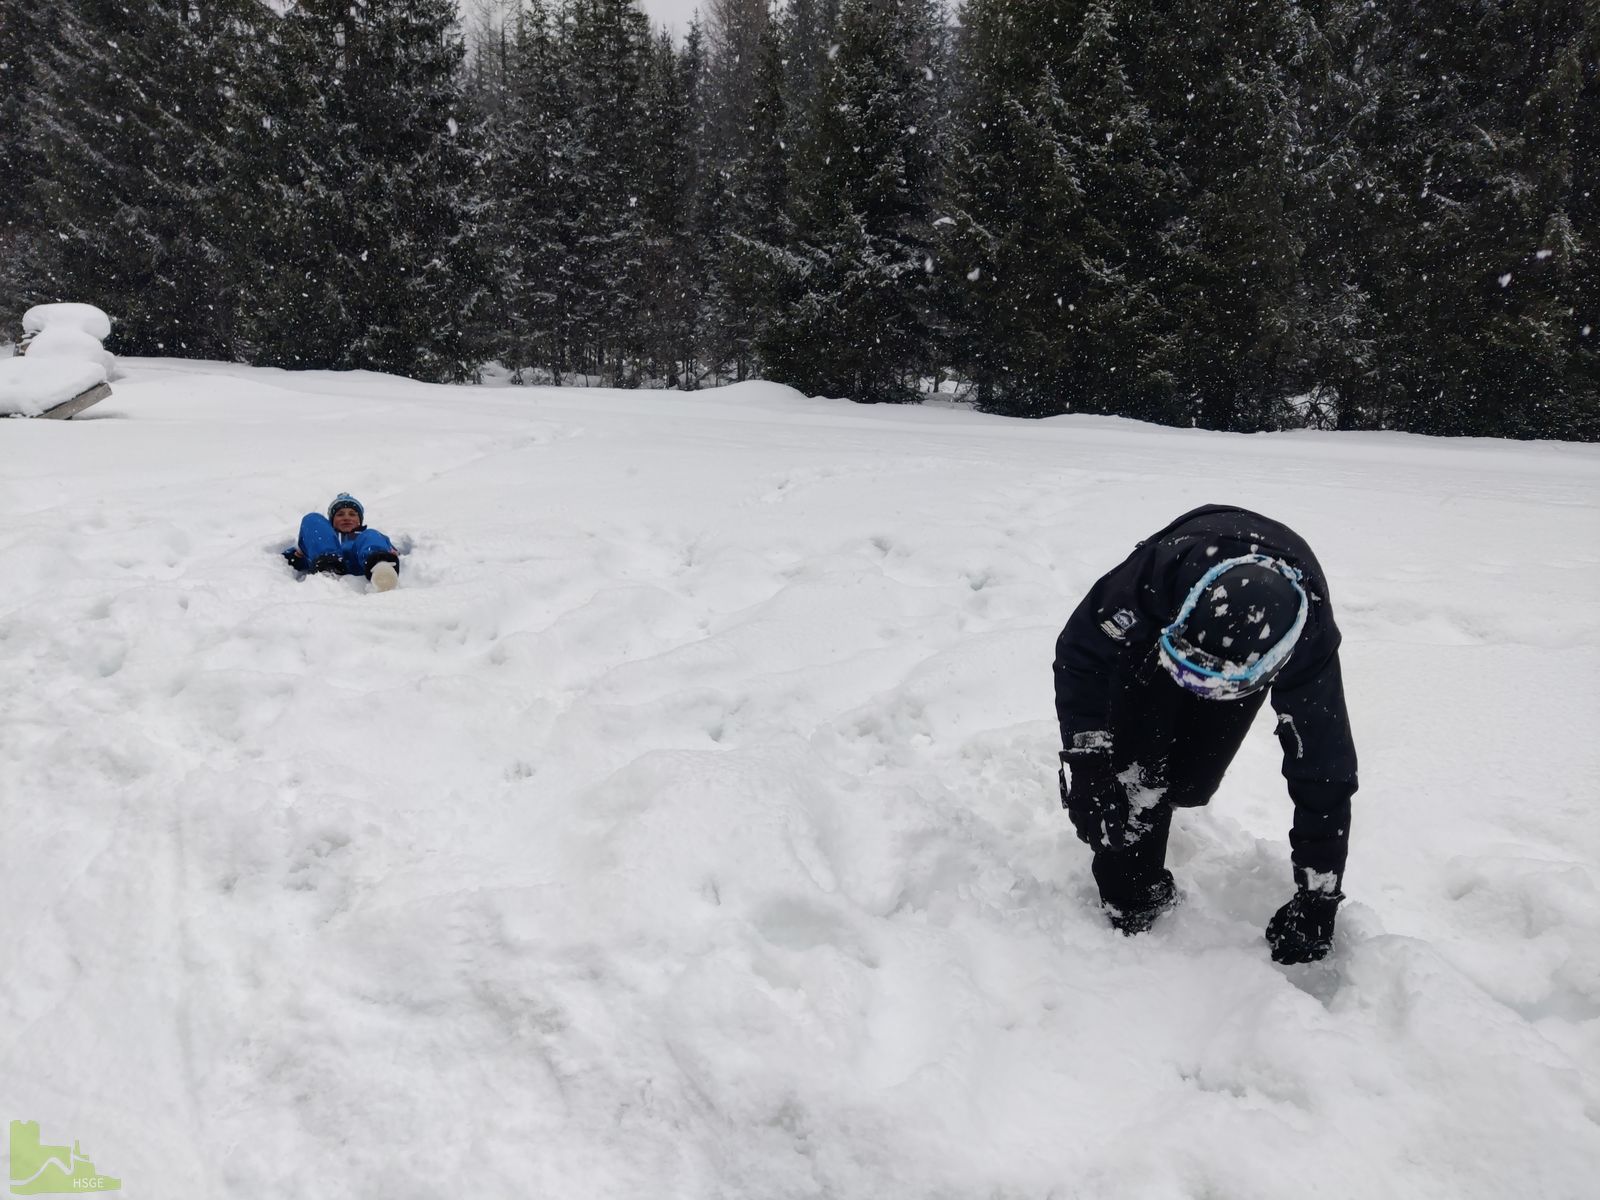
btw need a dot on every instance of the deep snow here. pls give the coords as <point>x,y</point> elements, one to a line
<point>685,825</point>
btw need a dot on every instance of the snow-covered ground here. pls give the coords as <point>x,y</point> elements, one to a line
<point>686,826</point>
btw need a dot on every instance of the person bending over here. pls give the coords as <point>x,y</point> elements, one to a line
<point>1159,673</point>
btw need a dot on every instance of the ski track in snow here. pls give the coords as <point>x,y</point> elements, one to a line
<point>686,823</point>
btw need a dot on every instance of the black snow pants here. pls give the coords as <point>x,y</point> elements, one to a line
<point>1181,745</point>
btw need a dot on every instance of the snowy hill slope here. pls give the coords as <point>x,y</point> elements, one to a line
<point>685,824</point>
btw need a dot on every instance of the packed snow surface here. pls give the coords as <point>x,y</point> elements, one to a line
<point>685,824</point>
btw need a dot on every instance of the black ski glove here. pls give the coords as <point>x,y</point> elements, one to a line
<point>1096,800</point>
<point>1302,930</point>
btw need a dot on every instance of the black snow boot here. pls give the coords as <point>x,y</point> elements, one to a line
<point>1137,910</point>
<point>1135,885</point>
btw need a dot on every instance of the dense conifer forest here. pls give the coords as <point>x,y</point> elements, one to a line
<point>1248,216</point>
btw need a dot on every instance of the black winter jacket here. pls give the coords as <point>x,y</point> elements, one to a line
<point>1119,621</point>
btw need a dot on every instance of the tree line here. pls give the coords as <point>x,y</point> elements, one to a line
<point>1244,216</point>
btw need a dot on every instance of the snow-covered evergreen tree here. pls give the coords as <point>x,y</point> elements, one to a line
<point>1339,69</point>
<point>609,57</point>
<point>27,31</point>
<point>1482,280</point>
<point>1217,84</point>
<point>1174,212</point>
<point>809,31</point>
<point>131,131</point>
<point>745,171</point>
<point>852,284</point>
<point>593,187</point>
<point>1448,266</point>
<point>673,276</point>
<point>1120,235</point>
<point>1054,197</point>
<point>372,249</point>
<point>1584,214</point>
<point>533,200</point>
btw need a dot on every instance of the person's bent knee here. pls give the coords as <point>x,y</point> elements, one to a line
<point>381,556</point>
<point>1192,796</point>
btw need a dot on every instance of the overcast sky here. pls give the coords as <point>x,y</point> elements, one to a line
<point>675,13</point>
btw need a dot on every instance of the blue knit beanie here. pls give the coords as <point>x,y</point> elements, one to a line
<point>346,500</point>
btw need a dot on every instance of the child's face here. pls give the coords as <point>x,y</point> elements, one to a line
<point>346,521</point>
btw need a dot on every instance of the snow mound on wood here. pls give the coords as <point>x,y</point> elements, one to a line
<point>62,342</point>
<point>29,386</point>
<point>84,318</point>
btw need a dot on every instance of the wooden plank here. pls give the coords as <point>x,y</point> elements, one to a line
<point>71,408</point>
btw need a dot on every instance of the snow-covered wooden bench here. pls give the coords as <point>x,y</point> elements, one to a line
<point>61,368</point>
<point>50,387</point>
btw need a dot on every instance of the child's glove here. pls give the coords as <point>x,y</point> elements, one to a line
<point>1096,799</point>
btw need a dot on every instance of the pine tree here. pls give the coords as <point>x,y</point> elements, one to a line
<point>1339,72</point>
<point>609,57</point>
<point>1584,214</point>
<point>1129,353</point>
<point>851,285</point>
<point>132,126</point>
<point>808,39</point>
<point>1005,234</point>
<point>734,33</point>
<point>1216,82</point>
<point>1518,256</point>
<point>373,241</point>
<point>1121,230</point>
<point>534,201</point>
<point>1055,195</point>
<point>671,275</point>
<point>745,172</point>
<point>27,30</point>
<point>1470,239</point>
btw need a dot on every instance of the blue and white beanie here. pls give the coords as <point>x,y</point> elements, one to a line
<point>346,500</point>
<point>1236,629</point>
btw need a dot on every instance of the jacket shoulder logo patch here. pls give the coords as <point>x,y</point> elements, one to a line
<point>1118,624</point>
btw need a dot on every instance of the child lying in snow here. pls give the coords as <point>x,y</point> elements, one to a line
<point>341,544</point>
